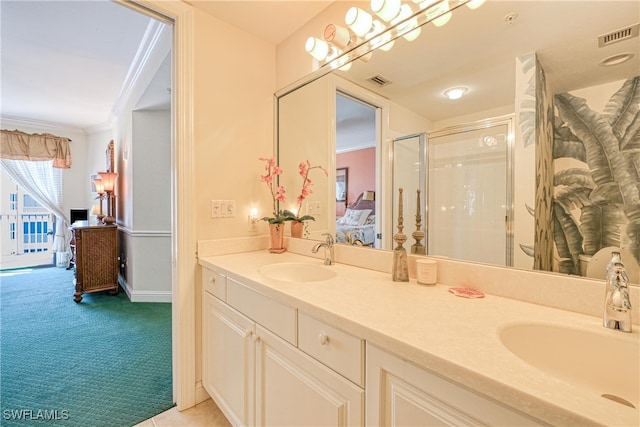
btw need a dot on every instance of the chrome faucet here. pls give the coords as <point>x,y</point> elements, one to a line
<point>328,248</point>
<point>617,306</point>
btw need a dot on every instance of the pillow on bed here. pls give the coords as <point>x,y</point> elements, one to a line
<point>371,219</point>
<point>354,217</point>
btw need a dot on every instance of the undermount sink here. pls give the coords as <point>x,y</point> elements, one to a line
<point>604,362</point>
<point>297,272</point>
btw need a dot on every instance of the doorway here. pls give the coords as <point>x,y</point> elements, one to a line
<point>356,172</point>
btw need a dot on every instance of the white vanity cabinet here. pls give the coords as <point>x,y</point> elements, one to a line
<point>256,374</point>
<point>292,389</point>
<point>401,394</point>
<point>228,359</point>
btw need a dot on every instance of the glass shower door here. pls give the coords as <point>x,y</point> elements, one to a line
<point>469,195</point>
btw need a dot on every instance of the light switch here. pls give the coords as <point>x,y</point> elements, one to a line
<point>215,209</point>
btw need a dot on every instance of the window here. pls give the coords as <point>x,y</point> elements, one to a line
<point>35,232</point>
<point>12,231</point>
<point>13,201</point>
<point>28,202</point>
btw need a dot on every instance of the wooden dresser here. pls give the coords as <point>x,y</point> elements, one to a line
<point>95,254</point>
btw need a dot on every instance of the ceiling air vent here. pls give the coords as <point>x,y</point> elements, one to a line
<point>379,81</point>
<point>618,35</point>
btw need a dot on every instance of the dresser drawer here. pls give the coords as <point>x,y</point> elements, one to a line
<point>278,318</point>
<point>214,283</point>
<point>338,350</point>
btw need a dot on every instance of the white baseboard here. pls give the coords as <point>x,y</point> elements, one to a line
<point>144,296</point>
<point>201,393</point>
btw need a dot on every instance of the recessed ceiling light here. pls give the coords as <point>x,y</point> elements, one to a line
<point>455,93</point>
<point>616,59</point>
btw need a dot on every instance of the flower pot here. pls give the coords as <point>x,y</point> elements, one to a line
<point>276,234</point>
<point>297,229</point>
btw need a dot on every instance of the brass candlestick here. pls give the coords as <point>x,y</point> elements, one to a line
<point>418,247</point>
<point>400,270</point>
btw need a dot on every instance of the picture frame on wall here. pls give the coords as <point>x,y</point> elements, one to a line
<point>341,184</point>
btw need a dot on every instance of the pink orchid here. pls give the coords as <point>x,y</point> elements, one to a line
<point>305,168</point>
<point>278,192</point>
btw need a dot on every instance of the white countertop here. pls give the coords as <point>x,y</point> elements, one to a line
<point>454,337</point>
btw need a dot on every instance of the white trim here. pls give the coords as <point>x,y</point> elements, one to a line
<point>8,121</point>
<point>99,128</point>
<point>183,248</point>
<point>144,233</point>
<point>148,52</point>
<point>201,393</point>
<point>144,296</point>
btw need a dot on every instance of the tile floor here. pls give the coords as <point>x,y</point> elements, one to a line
<point>205,414</point>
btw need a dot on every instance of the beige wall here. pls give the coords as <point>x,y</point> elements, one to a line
<point>234,81</point>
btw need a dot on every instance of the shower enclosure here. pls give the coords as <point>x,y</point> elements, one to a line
<point>465,177</point>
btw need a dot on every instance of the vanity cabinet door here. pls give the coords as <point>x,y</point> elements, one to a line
<point>401,394</point>
<point>293,389</point>
<point>228,365</point>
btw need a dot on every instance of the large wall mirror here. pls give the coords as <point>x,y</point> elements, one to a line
<point>548,123</point>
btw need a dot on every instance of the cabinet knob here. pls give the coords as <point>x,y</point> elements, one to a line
<point>248,333</point>
<point>256,338</point>
<point>323,339</point>
<point>212,279</point>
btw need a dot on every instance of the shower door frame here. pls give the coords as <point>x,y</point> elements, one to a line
<point>474,126</point>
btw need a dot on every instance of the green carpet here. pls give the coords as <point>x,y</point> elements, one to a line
<point>103,362</point>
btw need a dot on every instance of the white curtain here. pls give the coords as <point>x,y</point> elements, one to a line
<point>43,182</point>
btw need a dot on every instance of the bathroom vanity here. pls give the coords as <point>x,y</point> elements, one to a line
<point>289,341</point>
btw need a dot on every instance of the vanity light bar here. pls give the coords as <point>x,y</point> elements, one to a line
<point>366,32</point>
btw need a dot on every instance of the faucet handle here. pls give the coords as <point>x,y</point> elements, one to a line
<point>328,238</point>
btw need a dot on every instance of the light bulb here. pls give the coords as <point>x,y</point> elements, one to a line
<point>474,4</point>
<point>317,48</point>
<point>358,20</point>
<point>382,42</point>
<point>455,93</point>
<point>386,9</point>
<point>405,13</point>
<point>439,14</point>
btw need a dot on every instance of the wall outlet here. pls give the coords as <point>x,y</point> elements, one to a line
<point>229,209</point>
<point>313,207</point>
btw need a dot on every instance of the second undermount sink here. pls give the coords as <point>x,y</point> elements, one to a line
<point>603,361</point>
<point>297,272</point>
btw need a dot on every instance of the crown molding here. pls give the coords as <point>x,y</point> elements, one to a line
<point>17,122</point>
<point>153,49</point>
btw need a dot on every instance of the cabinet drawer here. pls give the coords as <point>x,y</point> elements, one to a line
<point>338,350</point>
<point>278,318</point>
<point>214,283</point>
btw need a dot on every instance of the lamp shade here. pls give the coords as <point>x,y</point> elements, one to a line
<point>108,180</point>
<point>369,195</point>
<point>99,185</point>
<point>317,48</point>
<point>359,21</point>
<point>386,9</point>
<point>341,37</point>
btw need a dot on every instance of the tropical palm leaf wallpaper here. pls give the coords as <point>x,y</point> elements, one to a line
<point>597,198</point>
